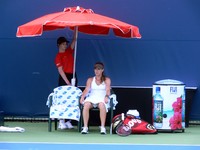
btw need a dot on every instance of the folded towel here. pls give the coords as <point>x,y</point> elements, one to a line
<point>11,129</point>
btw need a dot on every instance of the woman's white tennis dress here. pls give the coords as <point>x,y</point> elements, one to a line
<point>97,92</point>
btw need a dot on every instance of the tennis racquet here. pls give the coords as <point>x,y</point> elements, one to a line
<point>123,130</point>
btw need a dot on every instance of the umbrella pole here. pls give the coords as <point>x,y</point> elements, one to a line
<point>73,81</point>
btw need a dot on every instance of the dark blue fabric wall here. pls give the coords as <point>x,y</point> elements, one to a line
<point>169,49</point>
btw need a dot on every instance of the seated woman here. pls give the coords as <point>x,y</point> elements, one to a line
<point>99,88</point>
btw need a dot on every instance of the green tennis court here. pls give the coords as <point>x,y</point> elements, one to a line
<point>38,132</point>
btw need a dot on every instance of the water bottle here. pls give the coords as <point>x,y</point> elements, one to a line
<point>183,109</point>
<point>158,109</point>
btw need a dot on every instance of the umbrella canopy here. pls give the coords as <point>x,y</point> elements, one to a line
<point>78,18</point>
<point>85,19</point>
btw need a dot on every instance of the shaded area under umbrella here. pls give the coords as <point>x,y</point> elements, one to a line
<point>78,18</point>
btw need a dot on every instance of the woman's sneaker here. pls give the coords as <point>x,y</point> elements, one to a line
<point>102,130</point>
<point>85,130</point>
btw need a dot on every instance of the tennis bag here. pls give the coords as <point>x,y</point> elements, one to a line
<point>125,125</point>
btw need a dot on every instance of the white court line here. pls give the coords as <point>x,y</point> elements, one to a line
<point>102,144</point>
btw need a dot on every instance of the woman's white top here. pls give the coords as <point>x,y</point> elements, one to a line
<point>97,92</point>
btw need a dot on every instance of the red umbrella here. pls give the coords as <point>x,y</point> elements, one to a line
<point>83,20</point>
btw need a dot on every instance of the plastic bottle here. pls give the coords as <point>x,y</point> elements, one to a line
<point>158,109</point>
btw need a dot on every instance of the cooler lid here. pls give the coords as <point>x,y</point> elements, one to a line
<point>169,82</point>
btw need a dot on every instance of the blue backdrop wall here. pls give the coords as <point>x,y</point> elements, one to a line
<point>169,49</point>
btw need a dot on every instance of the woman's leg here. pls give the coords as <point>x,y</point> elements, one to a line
<point>102,109</point>
<point>86,113</point>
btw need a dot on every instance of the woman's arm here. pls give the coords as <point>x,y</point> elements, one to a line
<point>108,87</point>
<point>86,90</point>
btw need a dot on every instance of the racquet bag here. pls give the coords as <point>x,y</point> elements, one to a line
<point>125,125</point>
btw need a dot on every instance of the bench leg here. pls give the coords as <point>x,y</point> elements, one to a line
<point>49,125</point>
<point>111,117</point>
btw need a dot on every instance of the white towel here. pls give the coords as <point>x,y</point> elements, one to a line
<point>11,129</point>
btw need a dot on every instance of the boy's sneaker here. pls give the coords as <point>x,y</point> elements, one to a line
<point>102,130</point>
<point>69,125</point>
<point>62,126</point>
<point>85,130</point>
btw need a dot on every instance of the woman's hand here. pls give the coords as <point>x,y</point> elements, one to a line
<point>81,100</point>
<point>106,99</point>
